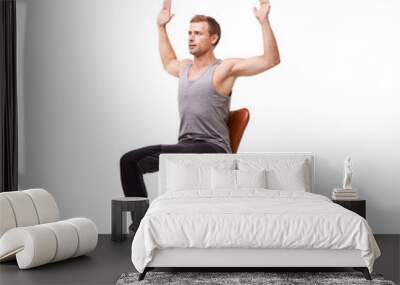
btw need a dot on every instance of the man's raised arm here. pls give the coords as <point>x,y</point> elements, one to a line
<point>167,53</point>
<point>270,58</point>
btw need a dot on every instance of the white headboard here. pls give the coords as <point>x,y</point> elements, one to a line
<point>164,157</point>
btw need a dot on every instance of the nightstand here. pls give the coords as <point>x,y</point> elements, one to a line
<point>357,206</point>
<point>120,205</point>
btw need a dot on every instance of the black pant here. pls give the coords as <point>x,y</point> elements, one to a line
<point>135,163</point>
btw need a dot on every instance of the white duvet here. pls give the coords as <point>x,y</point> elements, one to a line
<point>250,219</point>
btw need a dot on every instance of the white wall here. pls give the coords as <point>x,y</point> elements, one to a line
<point>91,87</point>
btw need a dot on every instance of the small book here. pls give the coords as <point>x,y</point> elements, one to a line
<point>345,194</point>
<point>346,199</point>
<point>335,197</point>
<point>341,190</point>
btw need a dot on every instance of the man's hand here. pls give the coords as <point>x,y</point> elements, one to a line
<point>262,13</point>
<point>165,14</point>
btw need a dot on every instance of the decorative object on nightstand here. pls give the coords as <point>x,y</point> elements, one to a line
<point>348,173</point>
<point>357,206</point>
<point>137,205</point>
<point>346,192</point>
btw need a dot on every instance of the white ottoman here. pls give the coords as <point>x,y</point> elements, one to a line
<point>31,232</point>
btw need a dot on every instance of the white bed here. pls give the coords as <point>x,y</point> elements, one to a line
<point>249,227</point>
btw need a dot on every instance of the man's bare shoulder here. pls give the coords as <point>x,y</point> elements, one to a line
<point>230,61</point>
<point>185,61</point>
<point>182,63</point>
<point>225,67</point>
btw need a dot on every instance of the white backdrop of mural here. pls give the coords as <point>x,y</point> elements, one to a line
<point>91,87</point>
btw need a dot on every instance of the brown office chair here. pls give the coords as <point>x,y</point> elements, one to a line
<point>238,120</point>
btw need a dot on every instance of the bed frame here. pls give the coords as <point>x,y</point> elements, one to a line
<point>245,259</point>
<point>249,259</point>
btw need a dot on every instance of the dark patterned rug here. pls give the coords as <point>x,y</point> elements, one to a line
<point>270,278</point>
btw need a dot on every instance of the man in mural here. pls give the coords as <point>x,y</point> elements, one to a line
<point>205,89</point>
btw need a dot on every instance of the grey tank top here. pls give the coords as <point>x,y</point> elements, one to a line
<point>203,112</point>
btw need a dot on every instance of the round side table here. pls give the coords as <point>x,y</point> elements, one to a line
<point>119,207</point>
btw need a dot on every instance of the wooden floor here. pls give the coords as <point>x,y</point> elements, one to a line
<point>111,259</point>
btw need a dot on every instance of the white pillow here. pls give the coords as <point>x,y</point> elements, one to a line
<point>282,174</point>
<point>226,179</point>
<point>287,179</point>
<point>251,178</point>
<point>187,177</point>
<point>223,179</point>
<point>192,175</point>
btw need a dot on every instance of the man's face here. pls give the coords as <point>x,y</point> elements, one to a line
<point>200,41</point>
